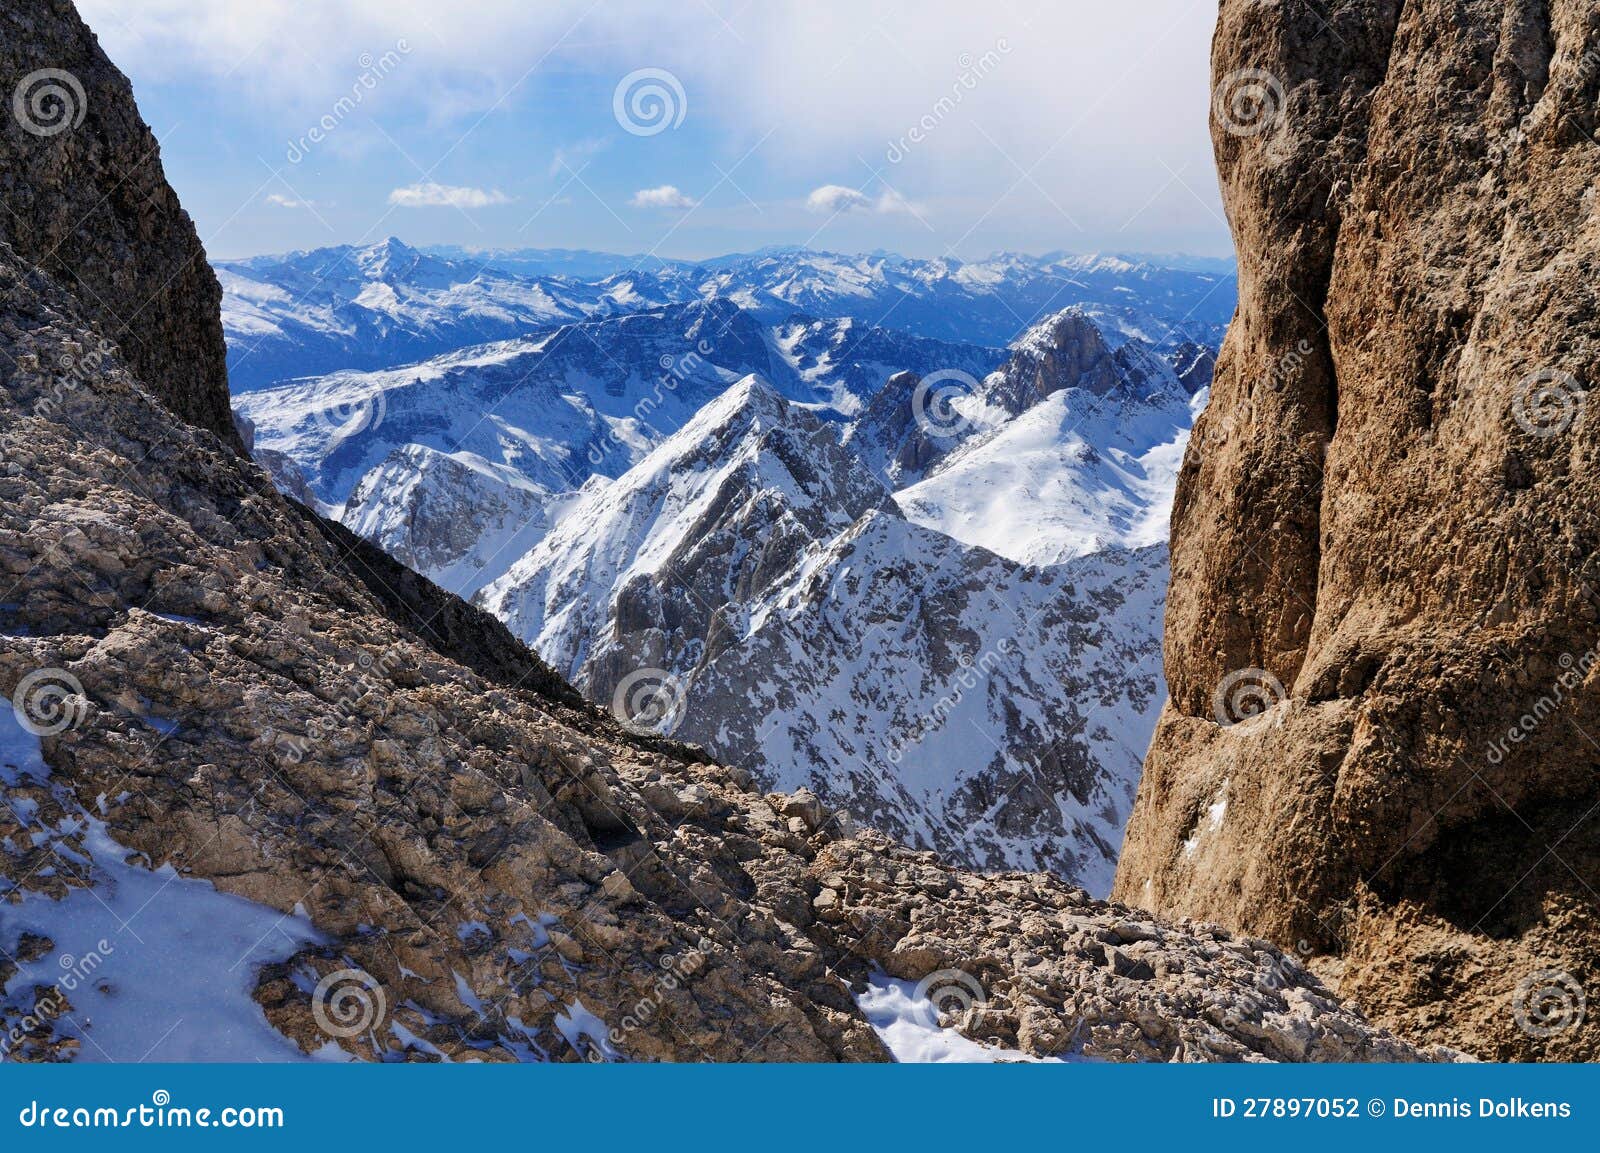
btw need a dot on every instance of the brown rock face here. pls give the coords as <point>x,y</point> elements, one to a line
<point>1384,538</point>
<point>86,201</point>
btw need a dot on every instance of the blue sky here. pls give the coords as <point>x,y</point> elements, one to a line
<point>932,129</point>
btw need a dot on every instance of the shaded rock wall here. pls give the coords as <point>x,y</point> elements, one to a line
<point>86,200</point>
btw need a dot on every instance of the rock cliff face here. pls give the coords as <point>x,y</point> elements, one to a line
<point>87,202</point>
<point>1382,626</point>
<point>446,852</point>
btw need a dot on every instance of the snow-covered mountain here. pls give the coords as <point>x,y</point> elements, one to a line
<point>513,425</point>
<point>306,313</point>
<point>309,313</point>
<point>1073,446</point>
<point>983,302</point>
<point>924,577</point>
<point>751,586</point>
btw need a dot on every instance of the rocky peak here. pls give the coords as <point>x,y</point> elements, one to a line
<point>1194,365</point>
<point>1066,350</point>
<point>87,202</point>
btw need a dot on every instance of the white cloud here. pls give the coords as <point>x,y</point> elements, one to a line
<point>835,198</point>
<point>283,201</point>
<point>1041,124</point>
<point>430,195</point>
<point>666,196</point>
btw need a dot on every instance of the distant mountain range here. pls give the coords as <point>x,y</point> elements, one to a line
<point>922,575</point>
<point>308,313</point>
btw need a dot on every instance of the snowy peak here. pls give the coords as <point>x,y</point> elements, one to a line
<point>1067,350</point>
<point>1071,447</point>
<point>917,422</point>
<point>390,259</point>
<point>729,502</point>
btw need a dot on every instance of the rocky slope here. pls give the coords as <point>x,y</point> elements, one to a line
<point>218,695</point>
<point>1382,627</point>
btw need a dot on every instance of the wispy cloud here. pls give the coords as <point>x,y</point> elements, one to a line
<point>576,155</point>
<point>283,201</point>
<point>430,195</point>
<point>666,196</point>
<point>833,198</point>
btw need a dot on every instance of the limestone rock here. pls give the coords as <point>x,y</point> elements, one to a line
<point>1381,627</point>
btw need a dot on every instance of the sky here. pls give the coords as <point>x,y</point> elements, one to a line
<point>682,128</point>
